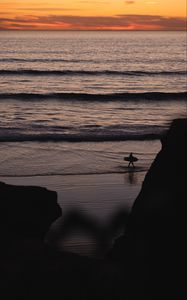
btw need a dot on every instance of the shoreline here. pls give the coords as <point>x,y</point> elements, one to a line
<point>124,170</point>
<point>30,160</point>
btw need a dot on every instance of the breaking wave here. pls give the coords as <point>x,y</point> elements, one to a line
<point>33,72</point>
<point>158,96</point>
<point>78,137</point>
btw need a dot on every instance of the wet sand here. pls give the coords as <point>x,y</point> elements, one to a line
<point>91,199</point>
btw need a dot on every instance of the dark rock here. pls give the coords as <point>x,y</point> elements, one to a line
<point>27,265</point>
<point>27,210</point>
<point>154,240</point>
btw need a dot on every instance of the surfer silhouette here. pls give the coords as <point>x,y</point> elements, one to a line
<point>131,159</point>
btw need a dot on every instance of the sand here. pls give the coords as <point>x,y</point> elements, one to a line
<point>93,200</point>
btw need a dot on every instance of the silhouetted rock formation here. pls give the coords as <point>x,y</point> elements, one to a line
<point>27,210</point>
<point>29,268</point>
<point>154,240</point>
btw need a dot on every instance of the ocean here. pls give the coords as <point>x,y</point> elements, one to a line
<point>88,88</point>
<point>74,103</point>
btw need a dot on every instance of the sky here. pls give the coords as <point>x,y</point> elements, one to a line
<point>93,14</point>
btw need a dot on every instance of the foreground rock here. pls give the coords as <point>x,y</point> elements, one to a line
<point>154,240</point>
<point>29,268</point>
<point>26,214</point>
<point>27,210</point>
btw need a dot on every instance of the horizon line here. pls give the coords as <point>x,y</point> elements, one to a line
<point>130,30</point>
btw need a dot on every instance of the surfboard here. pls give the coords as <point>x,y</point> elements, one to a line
<point>131,159</point>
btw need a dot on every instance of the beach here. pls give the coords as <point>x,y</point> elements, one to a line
<point>98,197</point>
<point>91,179</point>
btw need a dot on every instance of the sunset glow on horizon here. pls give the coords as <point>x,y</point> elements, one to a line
<point>93,15</point>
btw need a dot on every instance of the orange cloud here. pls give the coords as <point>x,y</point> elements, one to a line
<point>130,2</point>
<point>70,22</point>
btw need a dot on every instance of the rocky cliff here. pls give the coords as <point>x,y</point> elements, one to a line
<point>154,240</point>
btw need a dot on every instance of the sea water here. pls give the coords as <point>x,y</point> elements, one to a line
<point>97,89</point>
<point>75,103</point>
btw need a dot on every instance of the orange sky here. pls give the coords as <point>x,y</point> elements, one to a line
<point>93,14</point>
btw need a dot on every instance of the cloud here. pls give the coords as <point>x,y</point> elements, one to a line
<point>151,2</point>
<point>94,2</point>
<point>48,9</point>
<point>118,22</point>
<point>130,2</point>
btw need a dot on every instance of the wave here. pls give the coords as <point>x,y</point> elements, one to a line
<point>78,137</point>
<point>71,60</point>
<point>32,72</point>
<point>47,60</point>
<point>149,96</point>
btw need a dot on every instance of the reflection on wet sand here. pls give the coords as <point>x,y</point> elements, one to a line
<point>131,176</point>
